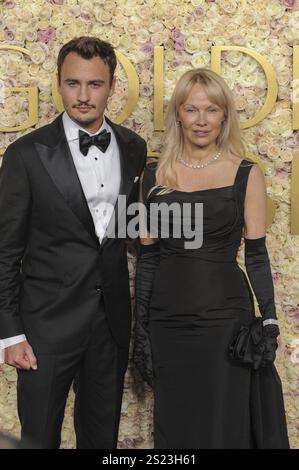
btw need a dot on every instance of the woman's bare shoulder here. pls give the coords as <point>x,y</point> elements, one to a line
<point>235,160</point>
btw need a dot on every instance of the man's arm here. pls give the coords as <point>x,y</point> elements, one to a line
<point>15,201</point>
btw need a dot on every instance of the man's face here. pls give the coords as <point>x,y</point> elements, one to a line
<point>85,88</point>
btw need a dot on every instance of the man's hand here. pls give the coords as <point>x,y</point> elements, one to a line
<point>21,356</point>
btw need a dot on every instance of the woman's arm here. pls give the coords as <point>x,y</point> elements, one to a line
<point>145,237</point>
<point>255,208</point>
<point>147,263</point>
<point>257,262</point>
<point>256,255</point>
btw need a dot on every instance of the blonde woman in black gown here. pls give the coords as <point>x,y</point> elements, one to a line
<point>192,302</point>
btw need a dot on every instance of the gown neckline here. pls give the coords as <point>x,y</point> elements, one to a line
<point>202,190</point>
<point>212,189</point>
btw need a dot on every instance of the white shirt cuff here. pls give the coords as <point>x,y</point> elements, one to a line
<point>6,342</point>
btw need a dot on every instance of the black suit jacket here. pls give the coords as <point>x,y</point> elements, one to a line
<point>52,266</point>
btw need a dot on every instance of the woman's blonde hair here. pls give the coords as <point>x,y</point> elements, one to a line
<point>229,139</point>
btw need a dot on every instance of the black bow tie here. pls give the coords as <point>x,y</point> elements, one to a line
<point>101,140</point>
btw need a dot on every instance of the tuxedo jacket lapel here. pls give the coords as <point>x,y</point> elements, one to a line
<point>56,157</point>
<point>128,169</point>
<point>127,161</point>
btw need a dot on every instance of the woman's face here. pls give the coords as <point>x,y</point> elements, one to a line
<point>200,119</point>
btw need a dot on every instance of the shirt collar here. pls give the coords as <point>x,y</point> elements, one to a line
<point>71,129</point>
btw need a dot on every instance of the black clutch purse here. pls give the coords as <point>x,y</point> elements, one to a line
<point>252,347</point>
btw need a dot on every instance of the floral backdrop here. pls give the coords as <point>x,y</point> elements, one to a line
<point>186,29</point>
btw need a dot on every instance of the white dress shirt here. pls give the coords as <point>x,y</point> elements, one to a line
<point>99,174</point>
<point>100,177</point>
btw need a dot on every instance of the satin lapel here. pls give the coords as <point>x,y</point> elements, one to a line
<point>58,162</point>
<point>127,160</point>
<point>128,172</point>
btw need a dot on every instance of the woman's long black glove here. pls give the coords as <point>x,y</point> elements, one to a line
<point>147,263</point>
<point>259,273</point>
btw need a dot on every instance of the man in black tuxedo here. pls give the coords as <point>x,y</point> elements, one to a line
<point>64,286</point>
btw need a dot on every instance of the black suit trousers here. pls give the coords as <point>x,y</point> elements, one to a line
<point>97,370</point>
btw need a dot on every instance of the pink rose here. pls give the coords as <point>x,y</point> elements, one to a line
<point>46,35</point>
<point>179,39</point>
<point>180,44</point>
<point>9,35</point>
<point>139,68</point>
<point>276,277</point>
<point>177,34</point>
<point>9,4</point>
<point>148,48</point>
<point>136,127</point>
<point>198,11</point>
<point>281,173</point>
<point>129,443</point>
<point>289,3</point>
<point>86,17</point>
<point>146,90</point>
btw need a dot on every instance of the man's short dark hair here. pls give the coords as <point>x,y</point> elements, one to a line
<point>88,47</point>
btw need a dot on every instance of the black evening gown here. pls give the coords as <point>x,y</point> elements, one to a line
<point>200,298</point>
